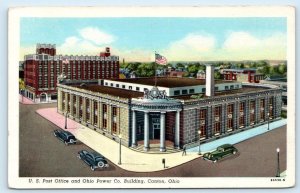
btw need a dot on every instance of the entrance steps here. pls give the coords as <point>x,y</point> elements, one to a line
<point>155,149</point>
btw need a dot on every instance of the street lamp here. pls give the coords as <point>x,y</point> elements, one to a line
<point>66,118</point>
<point>268,121</point>
<point>278,167</point>
<point>199,152</point>
<point>120,140</point>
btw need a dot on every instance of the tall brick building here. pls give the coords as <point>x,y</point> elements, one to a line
<point>43,69</point>
<point>173,113</point>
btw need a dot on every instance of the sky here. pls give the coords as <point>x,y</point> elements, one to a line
<point>178,39</point>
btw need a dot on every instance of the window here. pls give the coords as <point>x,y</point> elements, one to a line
<point>232,87</point>
<point>226,87</point>
<point>123,86</point>
<point>229,124</point>
<point>242,106</point>
<point>230,109</point>
<point>111,84</point>
<point>192,91</point>
<point>104,117</point>
<point>202,114</point>
<point>203,89</point>
<point>216,88</point>
<point>217,111</point>
<point>117,85</point>
<point>137,88</point>
<point>176,92</point>
<point>114,125</point>
<point>95,113</point>
<point>106,84</point>
<point>130,87</point>
<point>184,91</point>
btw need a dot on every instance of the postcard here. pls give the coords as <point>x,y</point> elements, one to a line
<point>151,97</point>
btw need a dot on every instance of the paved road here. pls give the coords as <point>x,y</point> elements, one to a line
<point>43,155</point>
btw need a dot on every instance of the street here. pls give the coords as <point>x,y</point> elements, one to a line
<point>43,155</point>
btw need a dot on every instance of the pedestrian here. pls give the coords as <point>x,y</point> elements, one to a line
<point>184,150</point>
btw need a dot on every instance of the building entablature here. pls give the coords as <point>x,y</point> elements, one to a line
<point>104,98</point>
<point>227,99</point>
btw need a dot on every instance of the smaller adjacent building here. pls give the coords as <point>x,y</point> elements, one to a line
<point>242,75</point>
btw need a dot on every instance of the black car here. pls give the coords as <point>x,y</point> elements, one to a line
<point>65,136</point>
<point>93,159</point>
<point>220,152</point>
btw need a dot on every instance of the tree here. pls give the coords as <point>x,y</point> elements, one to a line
<point>217,75</point>
<point>282,68</point>
<point>179,65</point>
<point>21,84</point>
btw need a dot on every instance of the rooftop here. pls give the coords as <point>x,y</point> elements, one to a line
<point>169,82</point>
<point>134,94</point>
<point>244,89</point>
<point>111,91</point>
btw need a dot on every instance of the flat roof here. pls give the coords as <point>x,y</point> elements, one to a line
<point>110,91</point>
<point>169,82</point>
<point>135,94</point>
<point>245,89</point>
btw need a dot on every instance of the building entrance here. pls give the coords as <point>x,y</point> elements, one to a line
<point>156,131</point>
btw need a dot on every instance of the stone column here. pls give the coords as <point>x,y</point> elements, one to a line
<point>134,128</point>
<point>146,131</point>
<point>66,102</point>
<point>84,110</point>
<point>92,112</point>
<point>177,128</point>
<point>77,107</point>
<point>71,105</point>
<point>100,115</point>
<point>162,131</point>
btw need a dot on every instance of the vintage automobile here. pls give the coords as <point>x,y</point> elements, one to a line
<point>93,159</point>
<point>65,136</point>
<point>220,152</point>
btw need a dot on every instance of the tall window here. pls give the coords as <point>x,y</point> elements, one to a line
<point>95,107</point>
<point>271,107</point>
<point>69,103</point>
<point>80,108</point>
<point>114,124</point>
<point>262,109</point>
<point>242,115</point>
<point>217,124</point>
<point>203,122</point>
<point>230,117</point>
<point>252,112</point>
<point>63,101</point>
<point>104,117</point>
<point>74,105</point>
<point>87,110</point>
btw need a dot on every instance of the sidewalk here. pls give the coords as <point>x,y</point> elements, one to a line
<point>143,162</point>
<point>131,160</point>
<point>25,100</point>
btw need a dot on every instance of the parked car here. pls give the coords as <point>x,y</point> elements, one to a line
<point>65,136</point>
<point>93,159</point>
<point>220,152</point>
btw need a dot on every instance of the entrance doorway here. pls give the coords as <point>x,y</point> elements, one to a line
<point>156,131</point>
<point>43,97</point>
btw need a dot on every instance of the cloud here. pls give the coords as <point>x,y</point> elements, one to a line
<point>245,46</point>
<point>96,36</point>
<point>193,45</point>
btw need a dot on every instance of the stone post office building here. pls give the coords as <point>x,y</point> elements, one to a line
<point>175,112</point>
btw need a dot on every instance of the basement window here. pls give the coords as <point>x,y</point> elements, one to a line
<point>192,91</point>
<point>176,92</point>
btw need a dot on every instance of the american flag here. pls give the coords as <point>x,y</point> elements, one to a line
<point>159,59</point>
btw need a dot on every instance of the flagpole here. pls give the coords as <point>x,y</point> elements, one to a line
<point>155,66</point>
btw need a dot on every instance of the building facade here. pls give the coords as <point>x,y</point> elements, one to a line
<point>242,75</point>
<point>43,69</point>
<point>146,116</point>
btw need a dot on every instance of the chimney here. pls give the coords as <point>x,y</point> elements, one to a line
<point>210,80</point>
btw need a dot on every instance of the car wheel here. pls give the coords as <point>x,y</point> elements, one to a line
<point>72,141</point>
<point>101,164</point>
<point>92,168</point>
<point>234,152</point>
<point>54,134</point>
<point>78,156</point>
<point>215,161</point>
